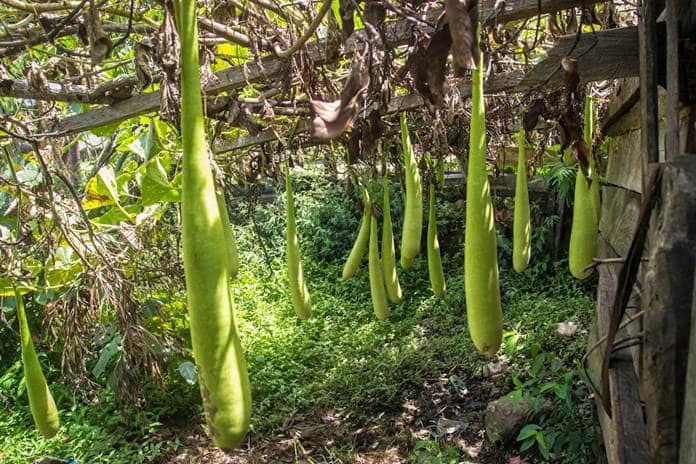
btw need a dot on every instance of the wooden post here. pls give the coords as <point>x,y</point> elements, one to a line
<point>667,302</point>
<point>672,72</point>
<point>687,444</point>
<point>647,40</point>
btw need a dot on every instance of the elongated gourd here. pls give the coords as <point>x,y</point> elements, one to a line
<point>217,350</point>
<point>482,289</point>
<point>588,131</point>
<point>377,290</point>
<point>521,228</point>
<point>356,253</point>
<point>391,279</point>
<point>230,242</point>
<point>437,276</point>
<point>43,408</point>
<point>413,206</point>
<point>583,233</point>
<point>300,295</point>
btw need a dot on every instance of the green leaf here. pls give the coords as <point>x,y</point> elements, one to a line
<point>154,186</point>
<point>543,447</point>
<point>188,371</point>
<point>527,431</point>
<point>108,352</point>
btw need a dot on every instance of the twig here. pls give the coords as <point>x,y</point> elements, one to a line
<point>326,6</point>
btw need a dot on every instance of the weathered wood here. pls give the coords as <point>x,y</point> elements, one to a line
<point>396,33</point>
<point>687,442</point>
<point>667,303</point>
<point>627,415</point>
<point>648,56</point>
<point>624,162</point>
<point>622,102</point>
<point>497,83</point>
<point>672,77</point>
<point>625,437</point>
<point>620,209</point>
<point>56,91</point>
<point>609,54</point>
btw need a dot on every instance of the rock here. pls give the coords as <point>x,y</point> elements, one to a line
<point>506,416</point>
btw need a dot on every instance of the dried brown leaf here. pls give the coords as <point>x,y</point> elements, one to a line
<point>461,15</point>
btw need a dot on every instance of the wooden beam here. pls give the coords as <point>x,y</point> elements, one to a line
<point>687,442</point>
<point>603,55</point>
<point>672,76</point>
<point>598,55</point>
<point>396,32</point>
<point>497,83</point>
<point>667,301</point>
<point>648,56</point>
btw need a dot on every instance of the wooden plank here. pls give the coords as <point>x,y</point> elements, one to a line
<point>622,102</point>
<point>609,54</point>
<point>627,415</point>
<point>620,208</point>
<point>625,437</point>
<point>687,442</point>
<point>624,162</point>
<point>667,302</point>
<point>672,75</point>
<point>648,56</point>
<point>497,83</point>
<point>396,32</point>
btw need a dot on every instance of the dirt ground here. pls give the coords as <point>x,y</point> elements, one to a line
<point>446,409</point>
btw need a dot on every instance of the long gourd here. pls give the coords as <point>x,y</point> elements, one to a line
<point>217,350</point>
<point>583,232</point>
<point>413,206</point>
<point>230,241</point>
<point>300,295</point>
<point>480,254</point>
<point>43,408</point>
<point>588,132</point>
<point>521,228</point>
<point>437,276</point>
<point>356,253</point>
<point>391,279</point>
<point>377,290</point>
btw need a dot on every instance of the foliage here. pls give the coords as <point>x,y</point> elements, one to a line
<point>341,359</point>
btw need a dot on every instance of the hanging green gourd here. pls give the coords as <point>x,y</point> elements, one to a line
<point>583,233</point>
<point>230,241</point>
<point>377,290</point>
<point>482,289</point>
<point>437,276</point>
<point>300,295</point>
<point>413,206</point>
<point>43,408</point>
<point>391,279</point>
<point>522,228</point>
<point>217,350</point>
<point>588,133</point>
<point>356,253</point>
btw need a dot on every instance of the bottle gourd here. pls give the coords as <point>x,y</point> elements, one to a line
<point>391,279</point>
<point>584,230</point>
<point>480,254</point>
<point>230,242</point>
<point>521,228</point>
<point>413,206</point>
<point>43,408</point>
<point>437,276</point>
<point>217,350</point>
<point>377,290</point>
<point>300,295</point>
<point>356,253</point>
